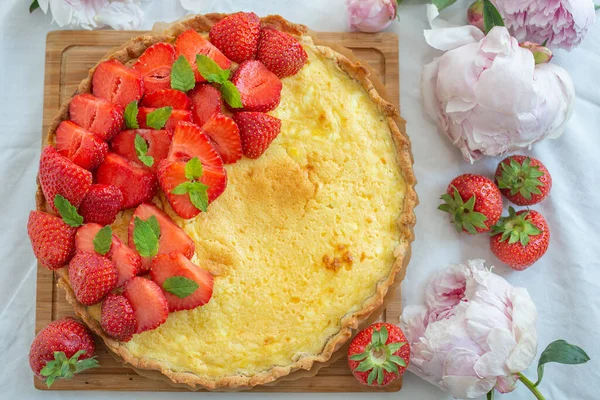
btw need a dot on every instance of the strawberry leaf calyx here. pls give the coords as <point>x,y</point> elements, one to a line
<point>180,286</point>
<point>462,213</point>
<point>141,150</point>
<point>158,118</point>
<point>103,240</point>
<point>65,368</point>
<point>379,357</point>
<point>182,75</point>
<point>131,114</point>
<point>520,178</point>
<point>146,235</point>
<point>197,191</point>
<point>515,228</point>
<point>67,211</point>
<point>211,71</point>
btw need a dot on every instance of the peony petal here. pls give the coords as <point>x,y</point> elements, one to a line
<point>493,363</point>
<point>445,36</point>
<point>506,384</point>
<point>121,15</point>
<point>468,387</point>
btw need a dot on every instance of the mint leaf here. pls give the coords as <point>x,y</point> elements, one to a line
<point>34,6</point>
<point>67,211</point>
<point>441,4</point>
<point>141,149</point>
<point>131,114</point>
<point>560,352</point>
<point>182,188</point>
<point>231,94</point>
<point>491,16</point>
<point>103,240</point>
<point>193,169</point>
<point>154,225</point>
<point>210,70</point>
<point>158,118</point>
<point>180,286</point>
<point>199,198</point>
<point>182,75</point>
<point>145,237</point>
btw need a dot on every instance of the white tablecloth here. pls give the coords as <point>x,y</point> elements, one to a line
<point>564,284</point>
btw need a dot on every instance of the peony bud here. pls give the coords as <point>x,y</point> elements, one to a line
<point>541,54</point>
<point>475,15</point>
<point>371,15</point>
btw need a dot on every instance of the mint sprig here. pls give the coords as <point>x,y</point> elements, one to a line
<point>131,114</point>
<point>182,75</point>
<point>211,71</point>
<point>67,211</point>
<point>197,191</point>
<point>159,117</point>
<point>103,240</point>
<point>146,235</point>
<point>180,286</point>
<point>141,150</point>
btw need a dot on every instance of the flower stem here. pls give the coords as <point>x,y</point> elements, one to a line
<point>531,386</point>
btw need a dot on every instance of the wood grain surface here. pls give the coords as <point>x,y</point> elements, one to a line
<point>69,56</point>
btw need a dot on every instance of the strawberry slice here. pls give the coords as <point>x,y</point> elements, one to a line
<point>206,101</point>
<point>116,83</point>
<point>149,304</point>
<point>101,204</point>
<point>154,66</point>
<point>190,43</point>
<point>260,88</point>
<point>189,142</point>
<point>237,36</point>
<point>172,173</point>
<point>127,261</point>
<point>53,241</point>
<point>280,52</point>
<point>175,264</point>
<point>80,145</point>
<point>59,175</point>
<point>172,237</point>
<point>96,115</point>
<point>117,317</point>
<point>225,137</point>
<point>158,142</point>
<point>138,184</point>
<point>176,117</point>
<point>257,131</point>
<point>167,97</point>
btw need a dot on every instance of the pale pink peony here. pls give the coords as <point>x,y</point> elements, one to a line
<point>94,14</point>
<point>488,96</point>
<point>371,15</point>
<point>474,333</point>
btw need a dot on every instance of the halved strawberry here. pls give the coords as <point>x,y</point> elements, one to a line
<point>154,65</point>
<point>92,277</point>
<point>148,302</point>
<point>167,97</point>
<point>225,136</point>
<point>117,317</point>
<point>257,131</point>
<point>206,101</point>
<point>96,115</point>
<point>53,241</point>
<point>79,145</point>
<point>176,117</point>
<point>116,83</point>
<point>280,52</point>
<point>158,142</point>
<point>260,88</point>
<point>138,184</point>
<point>101,204</point>
<point>237,36</point>
<point>59,175</point>
<point>127,261</point>
<point>175,264</point>
<point>172,173</point>
<point>172,237</point>
<point>189,142</point>
<point>190,43</point>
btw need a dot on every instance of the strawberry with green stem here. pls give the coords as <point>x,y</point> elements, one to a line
<point>523,180</point>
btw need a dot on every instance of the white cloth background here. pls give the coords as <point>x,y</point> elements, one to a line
<point>564,284</point>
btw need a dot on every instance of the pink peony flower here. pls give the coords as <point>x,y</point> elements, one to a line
<point>474,333</point>
<point>487,94</point>
<point>371,15</point>
<point>94,14</point>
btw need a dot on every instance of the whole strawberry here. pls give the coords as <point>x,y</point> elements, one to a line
<point>520,239</point>
<point>237,36</point>
<point>53,241</point>
<point>280,52</point>
<point>379,354</point>
<point>117,317</point>
<point>523,180</point>
<point>92,277</point>
<point>101,204</point>
<point>474,203</point>
<point>62,349</point>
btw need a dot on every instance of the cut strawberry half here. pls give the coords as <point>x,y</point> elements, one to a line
<point>172,237</point>
<point>91,277</point>
<point>117,317</point>
<point>189,142</point>
<point>172,173</point>
<point>79,145</point>
<point>237,36</point>
<point>190,43</point>
<point>116,83</point>
<point>206,101</point>
<point>96,115</point>
<point>148,302</point>
<point>138,184</point>
<point>158,143</point>
<point>101,204</point>
<point>280,52</point>
<point>225,136</point>
<point>154,65</point>
<point>175,264</point>
<point>167,97</point>
<point>257,131</point>
<point>176,117</point>
<point>259,88</point>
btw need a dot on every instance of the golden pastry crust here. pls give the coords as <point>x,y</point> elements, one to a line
<point>202,23</point>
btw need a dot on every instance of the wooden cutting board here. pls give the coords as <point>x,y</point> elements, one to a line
<point>69,56</point>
